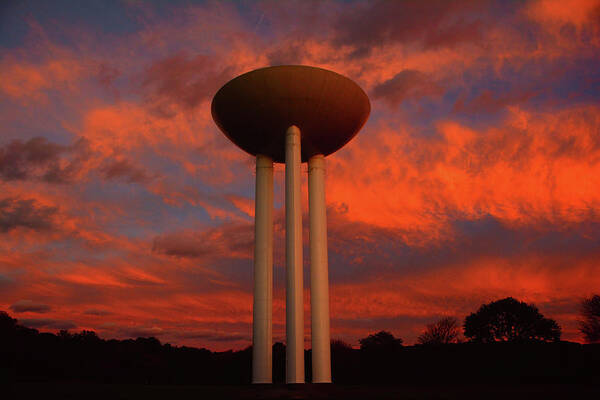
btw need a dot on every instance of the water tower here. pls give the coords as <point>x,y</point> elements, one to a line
<point>291,114</point>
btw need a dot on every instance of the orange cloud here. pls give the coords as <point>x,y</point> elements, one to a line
<point>459,289</point>
<point>578,12</point>
<point>537,167</point>
<point>26,81</point>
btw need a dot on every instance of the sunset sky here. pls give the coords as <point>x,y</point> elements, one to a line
<point>124,210</point>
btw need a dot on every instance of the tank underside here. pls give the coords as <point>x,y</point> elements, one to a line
<point>255,109</point>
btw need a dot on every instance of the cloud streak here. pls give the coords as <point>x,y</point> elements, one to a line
<point>29,306</point>
<point>26,213</point>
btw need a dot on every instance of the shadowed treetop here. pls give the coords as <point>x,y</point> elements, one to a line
<point>510,320</point>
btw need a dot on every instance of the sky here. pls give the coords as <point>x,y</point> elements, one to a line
<point>124,210</point>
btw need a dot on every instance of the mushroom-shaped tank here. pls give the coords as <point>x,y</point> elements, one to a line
<point>255,109</point>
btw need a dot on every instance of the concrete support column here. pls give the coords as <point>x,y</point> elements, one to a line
<point>263,273</point>
<point>319,271</point>
<point>294,307</point>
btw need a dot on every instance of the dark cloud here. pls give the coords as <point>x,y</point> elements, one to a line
<point>39,159</point>
<point>18,159</point>
<point>396,323</point>
<point>183,80</point>
<point>230,240</point>
<point>359,251</point>
<point>227,338</point>
<point>211,335</point>
<point>435,23</point>
<point>407,84</point>
<point>29,306</point>
<point>142,331</point>
<point>5,281</point>
<point>107,75</point>
<point>47,323</point>
<point>114,330</point>
<point>296,51</point>
<point>97,312</point>
<point>28,213</point>
<point>289,53</point>
<point>559,306</point>
<point>458,32</point>
<point>124,170</point>
<point>181,245</point>
<point>214,336</point>
<point>490,102</point>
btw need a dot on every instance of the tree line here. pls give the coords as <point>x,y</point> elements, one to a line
<point>503,340</point>
<point>505,320</point>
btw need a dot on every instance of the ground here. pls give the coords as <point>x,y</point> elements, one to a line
<point>308,391</point>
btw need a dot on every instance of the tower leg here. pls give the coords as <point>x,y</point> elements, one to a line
<point>319,280</point>
<point>263,273</point>
<point>294,307</point>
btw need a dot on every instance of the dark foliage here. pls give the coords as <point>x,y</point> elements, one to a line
<point>496,362</point>
<point>510,320</point>
<point>381,341</point>
<point>27,355</point>
<point>590,323</point>
<point>378,351</point>
<point>443,331</point>
<point>344,360</point>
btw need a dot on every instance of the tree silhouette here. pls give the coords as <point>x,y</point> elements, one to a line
<point>590,324</point>
<point>510,320</point>
<point>380,351</point>
<point>7,323</point>
<point>339,345</point>
<point>380,341</point>
<point>344,361</point>
<point>441,332</point>
<point>27,355</point>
